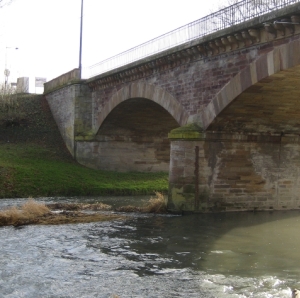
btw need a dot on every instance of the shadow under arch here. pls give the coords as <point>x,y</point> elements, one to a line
<point>152,93</point>
<point>280,59</point>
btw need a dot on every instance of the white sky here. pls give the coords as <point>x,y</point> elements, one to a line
<point>46,32</point>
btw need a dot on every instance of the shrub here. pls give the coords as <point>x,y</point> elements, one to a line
<point>8,105</point>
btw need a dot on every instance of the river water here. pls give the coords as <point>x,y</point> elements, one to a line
<point>204,255</point>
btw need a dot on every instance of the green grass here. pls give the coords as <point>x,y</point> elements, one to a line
<point>34,160</point>
<point>30,170</point>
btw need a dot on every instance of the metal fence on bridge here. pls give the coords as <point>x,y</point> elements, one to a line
<point>240,12</point>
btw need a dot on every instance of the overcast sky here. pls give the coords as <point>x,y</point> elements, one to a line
<point>46,32</point>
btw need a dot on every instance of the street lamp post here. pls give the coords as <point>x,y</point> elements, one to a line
<point>6,75</point>
<point>80,43</point>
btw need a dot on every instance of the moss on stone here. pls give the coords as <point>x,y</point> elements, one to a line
<point>190,131</point>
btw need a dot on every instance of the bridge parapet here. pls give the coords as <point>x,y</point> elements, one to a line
<point>268,28</point>
<point>70,77</point>
<point>240,12</point>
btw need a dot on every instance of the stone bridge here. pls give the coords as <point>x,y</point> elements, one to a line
<point>220,113</point>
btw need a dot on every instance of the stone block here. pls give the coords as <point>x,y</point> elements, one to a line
<point>262,68</point>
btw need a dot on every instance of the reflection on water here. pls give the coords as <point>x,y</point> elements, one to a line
<point>267,247</point>
<point>204,255</point>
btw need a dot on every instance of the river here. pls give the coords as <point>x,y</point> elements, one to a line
<point>204,255</point>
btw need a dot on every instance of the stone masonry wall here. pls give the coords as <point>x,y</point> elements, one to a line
<point>83,120</point>
<point>124,156</point>
<point>235,174</point>
<point>62,105</point>
<point>195,83</point>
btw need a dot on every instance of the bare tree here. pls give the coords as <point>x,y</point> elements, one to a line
<point>5,2</point>
<point>8,104</point>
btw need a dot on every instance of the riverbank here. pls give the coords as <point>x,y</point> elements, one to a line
<point>34,161</point>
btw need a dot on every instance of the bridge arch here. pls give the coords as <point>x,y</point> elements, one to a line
<point>282,58</point>
<point>134,126</point>
<point>150,92</point>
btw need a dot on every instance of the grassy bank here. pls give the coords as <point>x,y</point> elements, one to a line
<point>28,170</point>
<point>34,161</point>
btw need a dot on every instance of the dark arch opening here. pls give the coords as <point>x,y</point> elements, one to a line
<point>134,137</point>
<point>269,106</point>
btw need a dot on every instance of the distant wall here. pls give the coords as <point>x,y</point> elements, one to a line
<point>23,85</point>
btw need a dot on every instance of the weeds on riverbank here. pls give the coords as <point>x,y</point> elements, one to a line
<point>156,204</point>
<point>80,206</point>
<point>27,214</point>
<point>33,212</point>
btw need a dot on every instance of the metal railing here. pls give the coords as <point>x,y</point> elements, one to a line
<point>240,12</point>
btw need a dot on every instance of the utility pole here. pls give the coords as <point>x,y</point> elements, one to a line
<point>80,43</point>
